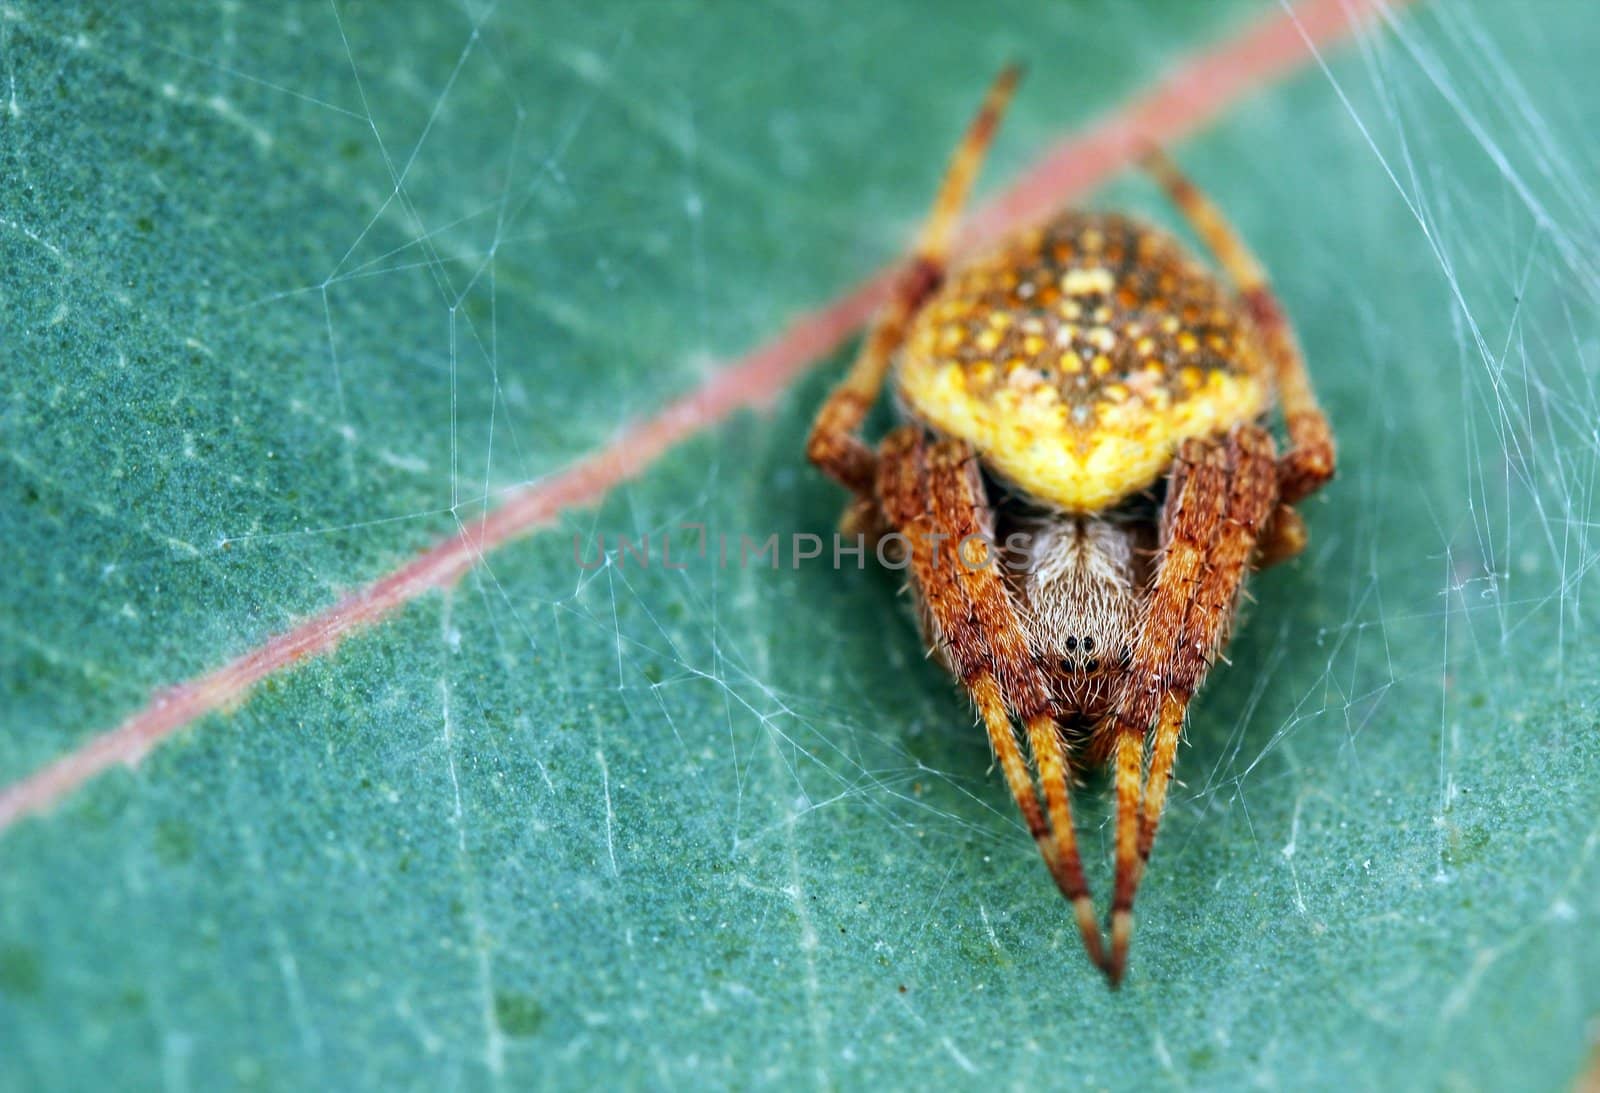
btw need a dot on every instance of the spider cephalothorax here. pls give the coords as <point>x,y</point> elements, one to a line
<point>1077,586</point>
<point>1110,392</point>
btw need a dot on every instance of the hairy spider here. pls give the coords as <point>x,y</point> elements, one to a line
<point>1113,392</point>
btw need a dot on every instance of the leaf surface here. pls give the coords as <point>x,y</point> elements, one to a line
<point>288,292</point>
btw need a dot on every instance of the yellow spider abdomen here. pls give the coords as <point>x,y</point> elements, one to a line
<point>1081,417</point>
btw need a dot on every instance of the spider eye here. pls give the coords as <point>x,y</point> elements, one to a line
<point>1088,645</point>
<point>1072,647</point>
<point>1067,665</point>
<point>1093,664</point>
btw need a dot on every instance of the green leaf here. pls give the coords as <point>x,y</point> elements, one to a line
<point>289,292</point>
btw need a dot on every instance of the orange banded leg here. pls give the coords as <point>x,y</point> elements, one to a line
<point>1283,538</point>
<point>1218,503</point>
<point>1163,754</point>
<point>835,444</point>
<point>933,495</point>
<point>985,691</point>
<point>1309,463</point>
<point>1128,758</point>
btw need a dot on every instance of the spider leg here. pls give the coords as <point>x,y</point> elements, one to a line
<point>1309,462</point>
<point>934,497</point>
<point>1219,500</point>
<point>835,445</point>
<point>1284,537</point>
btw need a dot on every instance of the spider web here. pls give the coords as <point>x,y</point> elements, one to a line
<point>699,824</point>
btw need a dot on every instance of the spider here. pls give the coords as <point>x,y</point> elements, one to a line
<point>1089,387</point>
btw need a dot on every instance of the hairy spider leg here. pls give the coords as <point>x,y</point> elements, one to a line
<point>1309,463</point>
<point>835,444</point>
<point>934,496</point>
<point>1279,534</point>
<point>1220,497</point>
